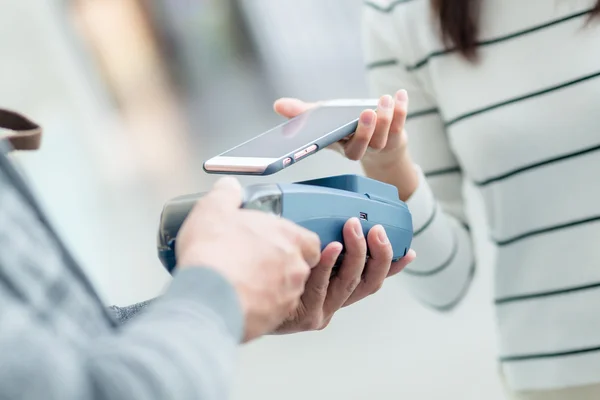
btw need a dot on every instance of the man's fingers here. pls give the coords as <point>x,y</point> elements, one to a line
<point>344,283</point>
<point>318,282</point>
<point>385,115</point>
<point>311,248</point>
<point>299,275</point>
<point>308,242</point>
<point>400,112</point>
<point>356,145</point>
<point>402,263</point>
<point>227,193</point>
<point>289,108</point>
<point>378,265</point>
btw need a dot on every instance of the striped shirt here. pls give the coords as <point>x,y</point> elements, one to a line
<point>521,126</point>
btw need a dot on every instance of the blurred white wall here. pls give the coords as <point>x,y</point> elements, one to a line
<point>82,173</point>
<point>316,42</point>
<point>387,347</point>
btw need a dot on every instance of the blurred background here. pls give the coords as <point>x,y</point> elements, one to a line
<point>135,94</point>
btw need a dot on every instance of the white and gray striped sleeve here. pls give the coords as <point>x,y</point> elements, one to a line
<point>444,267</point>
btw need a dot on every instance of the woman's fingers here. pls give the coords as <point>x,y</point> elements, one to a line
<point>377,129</point>
<point>385,116</point>
<point>356,146</point>
<point>400,111</point>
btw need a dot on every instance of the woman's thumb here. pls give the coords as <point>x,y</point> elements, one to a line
<point>289,107</point>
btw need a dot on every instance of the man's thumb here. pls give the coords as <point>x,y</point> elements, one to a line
<point>226,193</point>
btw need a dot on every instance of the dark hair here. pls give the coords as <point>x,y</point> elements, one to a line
<point>459,23</point>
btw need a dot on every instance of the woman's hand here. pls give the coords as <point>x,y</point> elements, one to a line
<point>380,141</point>
<point>325,293</point>
<point>380,136</point>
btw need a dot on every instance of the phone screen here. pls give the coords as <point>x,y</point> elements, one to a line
<point>298,132</point>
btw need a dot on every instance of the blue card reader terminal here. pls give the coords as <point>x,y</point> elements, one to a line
<point>322,205</point>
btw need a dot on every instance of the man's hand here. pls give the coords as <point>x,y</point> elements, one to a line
<point>326,293</point>
<point>266,258</point>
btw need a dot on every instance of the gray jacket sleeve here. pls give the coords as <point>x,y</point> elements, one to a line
<point>181,348</point>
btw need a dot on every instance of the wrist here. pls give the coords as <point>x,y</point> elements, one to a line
<point>398,171</point>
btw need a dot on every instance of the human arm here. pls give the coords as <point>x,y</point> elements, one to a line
<point>445,265</point>
<point>184,347</point>
<point>420,164</point>
<point>442,273</point>
<point>325,294</point>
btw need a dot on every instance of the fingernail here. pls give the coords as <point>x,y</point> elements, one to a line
<point>387,102</point>
<point>382,236</point>
<point>402,96</point>
<point>358,229</point>
<point>367,118</point>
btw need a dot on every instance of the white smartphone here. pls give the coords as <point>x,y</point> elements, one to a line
<point>293,140</point>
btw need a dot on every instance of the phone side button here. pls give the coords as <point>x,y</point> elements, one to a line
<point>305,152</point>
<point>287,162</point>
<point>311,149</point>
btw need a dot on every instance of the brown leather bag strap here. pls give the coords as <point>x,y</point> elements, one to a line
<point>21,132</point>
